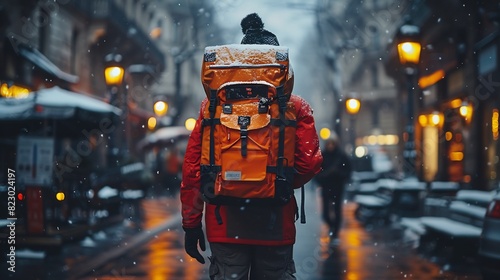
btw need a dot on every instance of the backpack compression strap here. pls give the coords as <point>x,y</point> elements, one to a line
<point>212,108</point>
<point>212,122</point>
<point>282,103</point>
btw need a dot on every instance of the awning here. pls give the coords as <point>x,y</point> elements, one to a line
<point>164,137</point>
<point>55,103</point>
<point>42,62</point>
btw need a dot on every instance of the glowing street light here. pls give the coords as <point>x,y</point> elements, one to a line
<point>352,106</point>
<point>113,75</point>
<point>152,123</point>
<point>409,52</point>
<point>160,108</point>
<point>409,47</point>
<point>190,123</point>
<point>114,71</point>
<point>324,133</point>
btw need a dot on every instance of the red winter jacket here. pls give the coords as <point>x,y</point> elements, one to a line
<point>250,225</point>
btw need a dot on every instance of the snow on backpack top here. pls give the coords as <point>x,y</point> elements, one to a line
<point>245,64</point>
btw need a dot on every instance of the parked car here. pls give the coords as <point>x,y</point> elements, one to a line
<point>489,244</point>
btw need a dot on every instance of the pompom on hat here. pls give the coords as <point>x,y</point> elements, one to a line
<point>253,28</point>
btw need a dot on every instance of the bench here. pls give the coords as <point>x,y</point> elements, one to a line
<point>465,215</point>
<point>360,183</point>
<point>389,199</point>
<point>456,232</point>
<point>438,198</point>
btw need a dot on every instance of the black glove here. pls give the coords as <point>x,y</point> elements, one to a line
<point>191,239</point>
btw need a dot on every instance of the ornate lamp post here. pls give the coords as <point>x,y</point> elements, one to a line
<point>352,106</point>
<point>409,47</point>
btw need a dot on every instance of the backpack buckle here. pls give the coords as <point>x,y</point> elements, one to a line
<point>227,109</point>
<point>263,105</point>
<point>244,121</point>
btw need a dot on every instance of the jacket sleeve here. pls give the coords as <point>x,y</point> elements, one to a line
<point>308,158</point>
<point>192,203</point>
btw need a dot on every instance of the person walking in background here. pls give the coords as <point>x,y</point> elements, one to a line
<point>250,241</point>
<point>332,179</point>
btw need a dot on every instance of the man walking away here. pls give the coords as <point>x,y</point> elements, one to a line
<point>332,180</point>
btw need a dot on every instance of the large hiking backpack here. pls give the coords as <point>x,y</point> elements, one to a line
<point>248,130</point>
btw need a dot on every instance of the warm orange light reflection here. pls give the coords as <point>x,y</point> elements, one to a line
<point>494,124</point>
<point>431,79</point>
<point>372,140</point>
<point>448,136</point>
<point>467,178</point>
<point>430,151</point>
<point>351,237</point>
<point>157,256</point>
<point>155,33</point>
<point>455,103</point>
<point>434,119</point>
<point>164,249</point>
<point>386,139</point>
<point>152,123</point>
<point>456,156</point>
<point>422,120</point>
<point>465,111</point>
<point>13,91</point>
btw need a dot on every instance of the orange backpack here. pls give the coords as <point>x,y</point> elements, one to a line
<point>248,130</point>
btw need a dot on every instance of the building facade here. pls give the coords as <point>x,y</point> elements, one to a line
<point>456,102</point>
<point>356,33</point>
<point>66,43</point>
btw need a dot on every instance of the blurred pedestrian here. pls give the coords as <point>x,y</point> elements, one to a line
<point>251,241</point>
<point>332,179</point>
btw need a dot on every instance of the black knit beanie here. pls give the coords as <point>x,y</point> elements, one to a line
<point>253,28</point>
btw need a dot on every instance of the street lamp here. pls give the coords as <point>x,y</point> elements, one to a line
<point>190,124</point>
<point>160,108</point>
<point>325,133</point>
<point>113,75</point>
<point>113,71</point>
<point>352,106</point>
<point>466,111</point>
<point>409,48</point>
<point>152,123</point>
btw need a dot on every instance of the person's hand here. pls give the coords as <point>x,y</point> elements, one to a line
<point>192,237</point>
